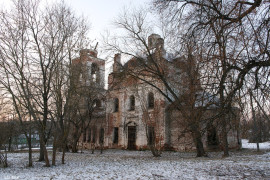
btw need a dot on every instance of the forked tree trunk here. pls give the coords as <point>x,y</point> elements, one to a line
<point>46,158</point>
<point>197,139</point>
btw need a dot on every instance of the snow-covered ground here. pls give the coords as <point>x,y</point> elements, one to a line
<point>120,164</point>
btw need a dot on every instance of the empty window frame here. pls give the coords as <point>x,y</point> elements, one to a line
<point>151,100</point>
<point>131,103</point>
<point>116,105</point>
<point>94,73</point>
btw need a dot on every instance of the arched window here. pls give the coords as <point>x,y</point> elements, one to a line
<point>116,105</point>
<point>94,72</point>
<point>132,103</point>
<point>151,100</point>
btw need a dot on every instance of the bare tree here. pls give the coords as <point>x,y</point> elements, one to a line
<point>74,31</point>
<point>237,42</point>
<point>33,43</point>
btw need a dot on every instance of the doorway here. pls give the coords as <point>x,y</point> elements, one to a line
<point>131,137</point>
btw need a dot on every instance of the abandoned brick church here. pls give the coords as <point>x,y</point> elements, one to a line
<point>132,114</point>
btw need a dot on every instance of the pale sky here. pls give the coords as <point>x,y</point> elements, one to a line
<point>100,13</point>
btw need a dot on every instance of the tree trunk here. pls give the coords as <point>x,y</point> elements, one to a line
<point>224,138</point>
<point>9,143</point>
<point>154,151</point>
<point>47,162</point>
<point>76,138</point>
<point>41,151</point>
<point>74,147</point>
<point>54,155</point>
<point>63,154</point>
<point>54,150</point>
<point>258,146</point>
<point>93,147</point>
<point>46,158</point>
<point>101,148</point>
<point>30,159</point>
<point>3,158</point>
<point>197,139</point>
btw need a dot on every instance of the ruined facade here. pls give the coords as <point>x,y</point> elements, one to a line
<point>138,115</point>
<point>88,78</point>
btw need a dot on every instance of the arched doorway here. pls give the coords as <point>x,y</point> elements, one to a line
<point>131,128</point>
<point>131,137</point>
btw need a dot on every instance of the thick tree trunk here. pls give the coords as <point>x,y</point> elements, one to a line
<point>43,146</point>
<point>54,156</point>
<point>197,139</point>
<point>47,162</point>
<point>41,151</point>
<point>224,138</point>
<point>225,145</point>
<point>63,154</point>
<point>76,138</point>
